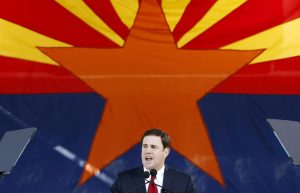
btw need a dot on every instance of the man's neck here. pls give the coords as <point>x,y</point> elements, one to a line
<point>162,168</point>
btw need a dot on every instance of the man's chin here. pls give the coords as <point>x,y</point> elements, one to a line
<point>148,166</point>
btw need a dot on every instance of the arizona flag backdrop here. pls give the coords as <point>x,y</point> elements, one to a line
<point>93,75</point>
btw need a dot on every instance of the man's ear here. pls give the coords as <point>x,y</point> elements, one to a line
<point>166,151</point>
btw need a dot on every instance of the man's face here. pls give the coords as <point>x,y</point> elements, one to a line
<point>153,152</point>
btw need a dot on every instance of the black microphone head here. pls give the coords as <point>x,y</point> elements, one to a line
<point>146,174</point>
<point>153,172</point>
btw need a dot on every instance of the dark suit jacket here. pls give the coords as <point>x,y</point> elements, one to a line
<point>174,181</point>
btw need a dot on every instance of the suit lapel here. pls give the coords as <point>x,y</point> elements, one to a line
<point>168,179</point>
<point>138,180</point>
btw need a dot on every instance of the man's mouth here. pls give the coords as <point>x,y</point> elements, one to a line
<point>148,158</point>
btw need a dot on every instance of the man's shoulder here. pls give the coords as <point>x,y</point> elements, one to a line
<point>177,173</point>
<point>178,181</point>
<point>127,180</point>
<point>131,172</point>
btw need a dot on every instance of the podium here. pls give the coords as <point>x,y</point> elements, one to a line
<point>12,146</point>
<point>288,134</point>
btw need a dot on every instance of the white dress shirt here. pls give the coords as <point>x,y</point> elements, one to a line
<point>158,180</point>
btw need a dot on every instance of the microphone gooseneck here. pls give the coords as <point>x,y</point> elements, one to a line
<point>153,173</point>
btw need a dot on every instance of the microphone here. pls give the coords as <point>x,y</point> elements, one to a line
<point>163,189</point>
<point>153,172</point>
<point>146,175</point>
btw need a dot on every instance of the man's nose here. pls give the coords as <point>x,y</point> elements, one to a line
<point>148,150</point>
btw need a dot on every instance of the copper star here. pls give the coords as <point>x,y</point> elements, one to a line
<point>150,83</point>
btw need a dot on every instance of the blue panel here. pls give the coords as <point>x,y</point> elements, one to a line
<point>250,157</point>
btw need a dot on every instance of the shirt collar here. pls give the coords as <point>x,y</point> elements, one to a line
<point>160,172</point>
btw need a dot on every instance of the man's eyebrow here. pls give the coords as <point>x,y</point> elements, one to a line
<point>149,144</point>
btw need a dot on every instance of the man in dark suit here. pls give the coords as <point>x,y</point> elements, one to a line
<point>156,146</point>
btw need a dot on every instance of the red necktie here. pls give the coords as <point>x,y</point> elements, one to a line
<point>152,187</point>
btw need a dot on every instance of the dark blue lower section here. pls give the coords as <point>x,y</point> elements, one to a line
<point>62,120</point>
<point>251,158</point>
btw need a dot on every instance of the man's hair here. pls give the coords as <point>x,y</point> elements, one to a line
<point>165,139</point>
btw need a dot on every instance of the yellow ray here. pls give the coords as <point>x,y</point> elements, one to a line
<point>173,10</point>
<point>282,41</point>
<point>218,11</point>
<point>127,10</point>
<point>19,42</point>
<point>83,12</point>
